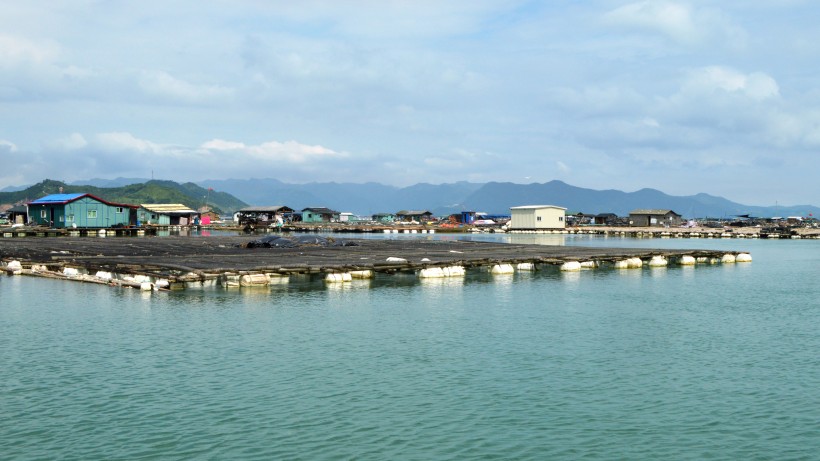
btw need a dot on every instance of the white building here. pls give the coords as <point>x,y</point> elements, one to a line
<point>532,217</point>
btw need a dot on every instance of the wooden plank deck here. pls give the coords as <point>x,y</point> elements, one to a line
<point>181,258</point>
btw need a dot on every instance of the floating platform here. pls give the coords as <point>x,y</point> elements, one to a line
<point>183,262</point>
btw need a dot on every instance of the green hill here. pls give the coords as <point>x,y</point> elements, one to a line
<point>155,191</point>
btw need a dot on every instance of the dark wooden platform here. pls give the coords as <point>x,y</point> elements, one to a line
<point>182,257</point>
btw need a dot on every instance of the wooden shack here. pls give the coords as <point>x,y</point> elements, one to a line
<point>654,218</point>
<point>80,210</point>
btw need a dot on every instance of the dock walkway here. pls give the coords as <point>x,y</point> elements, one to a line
<point>222,259</point>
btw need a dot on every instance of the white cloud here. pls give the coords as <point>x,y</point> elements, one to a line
<point>756,85</point>
<point>7,146</point>
<point>273,151</point>
<point>162,84</point>
<point>15,51</point>
<point>668,18</point>
<point>125,142</point>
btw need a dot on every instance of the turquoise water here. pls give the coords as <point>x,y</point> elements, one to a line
<point>712,362</point>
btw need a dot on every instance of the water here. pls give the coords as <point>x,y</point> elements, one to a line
<point>712,362</point>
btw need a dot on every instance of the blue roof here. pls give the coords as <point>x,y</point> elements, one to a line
<point>57,198</point>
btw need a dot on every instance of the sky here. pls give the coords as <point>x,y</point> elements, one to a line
<point>681,96</point>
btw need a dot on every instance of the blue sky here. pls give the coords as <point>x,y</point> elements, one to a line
<point>681,96</point>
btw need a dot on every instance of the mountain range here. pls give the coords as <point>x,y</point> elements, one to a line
<point>441,199</point>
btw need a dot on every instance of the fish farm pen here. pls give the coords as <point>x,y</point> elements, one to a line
<point>189,262</point>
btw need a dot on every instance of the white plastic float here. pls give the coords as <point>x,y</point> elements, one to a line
<point>571,266</point>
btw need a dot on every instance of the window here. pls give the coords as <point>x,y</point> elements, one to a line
<point>69,218</point>
<point>119,209</point>
<point>60,218</point>
<point>92,214</point>
<point>43,214</point>
<point>560,218</point>
<point>538,218</point>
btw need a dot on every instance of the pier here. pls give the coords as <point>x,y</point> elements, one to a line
<point>188,262</point>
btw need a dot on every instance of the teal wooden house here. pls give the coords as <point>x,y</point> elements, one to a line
<point>80,210</point>
<point>319,215</point>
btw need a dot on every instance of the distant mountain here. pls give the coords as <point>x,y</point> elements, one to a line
<point>497,197</point>
<point>116,182</point>
<point>365,199</point>
<point>441,199</point>
<point>493,197</point>
<point>155,191</point>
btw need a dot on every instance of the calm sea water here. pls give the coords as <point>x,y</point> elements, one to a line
<point>712,362</point>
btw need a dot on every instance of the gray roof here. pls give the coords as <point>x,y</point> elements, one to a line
<point>650,211</point>
<point>266,209</point>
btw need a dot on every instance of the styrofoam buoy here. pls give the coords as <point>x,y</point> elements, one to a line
<point>622,264</point>
<point>104,275</point>
<point>431,272</point>
<point>365,274</point>
<point>589,264</point>
<point>71,272</point>
<point>230,280</point>
<point>658,261</point>
<point>338,277</point>
<point>146,286</point>
<point>394,259</point>
<point>499,269</point>
<point>571,266</point>
<point>14,267</point>
<point>687,260</point>
<point>525,267</point>
<point>634,263</point>
<point>253,280</point>
<point>743,258</point>
<point>728,258</point>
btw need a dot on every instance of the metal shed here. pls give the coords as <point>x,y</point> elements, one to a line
<point>535,217</point>
<point>80,210</point>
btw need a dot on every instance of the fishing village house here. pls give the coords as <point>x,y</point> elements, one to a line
<point>654,218</point>
<point>414,216</point>
<point>320,215</point>
<point>80,210</point>
<point>165,214</point>
<point>264,215</point>
<point>384,217</point>
<point>537,217</point>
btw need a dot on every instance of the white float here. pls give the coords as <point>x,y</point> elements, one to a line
<point>393,259</point>
<point>431,272</point>
<point>571,266</point>
<point>525,267</point>
<point>499,269</point>
<point>687,260</point>
<point>728,258</point>
<point>365,274</point>
<point>589,264</point>
<point>14,267</point>
<point>454,271</point>
<point>622,264</point>
<point>254,280</point>
<point>634,263</point>
<point>71,272</point>
<point>743,258</point>
<point>146,286</point>
<point>104,275</point>
<point>658,261</point>
<point>338,277</point>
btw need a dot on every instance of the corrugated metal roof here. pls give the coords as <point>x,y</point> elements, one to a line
<point>650,211</point>
<point>57,198</point>
<point>167,208</point>
<point>320,210</point>
<point>266,209</point>
<point>536,207</point>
